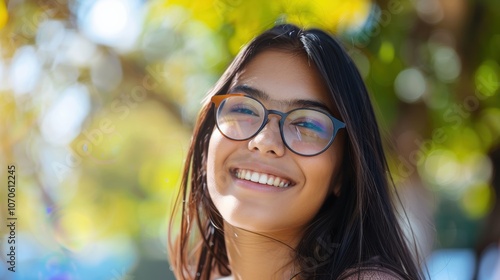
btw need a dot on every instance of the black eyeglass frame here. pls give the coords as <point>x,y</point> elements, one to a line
<point>218,99</point>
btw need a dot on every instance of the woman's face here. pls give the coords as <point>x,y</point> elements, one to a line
<point>285,80</point>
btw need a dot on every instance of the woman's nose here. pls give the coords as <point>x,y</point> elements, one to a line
<point>268,141</point>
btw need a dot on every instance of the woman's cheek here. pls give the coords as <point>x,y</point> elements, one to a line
<point>219,149</point>
<point>213,147</point>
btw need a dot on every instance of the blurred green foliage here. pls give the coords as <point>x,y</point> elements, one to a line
<point>99,127</point>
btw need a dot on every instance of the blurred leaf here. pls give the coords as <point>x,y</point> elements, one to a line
<point>4,15</point>
<point>477,201</point>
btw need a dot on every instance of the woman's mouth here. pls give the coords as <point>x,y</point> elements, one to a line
<point>262,178</point>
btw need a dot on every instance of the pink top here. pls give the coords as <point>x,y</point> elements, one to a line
<point>375,274</point>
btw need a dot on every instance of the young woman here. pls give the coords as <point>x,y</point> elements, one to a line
<point>285,177</point>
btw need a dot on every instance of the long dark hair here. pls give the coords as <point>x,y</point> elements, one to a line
<point>354,230</point>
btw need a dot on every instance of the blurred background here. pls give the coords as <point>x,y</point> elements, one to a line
<point>98,100</point>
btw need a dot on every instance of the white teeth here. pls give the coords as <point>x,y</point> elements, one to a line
<point>255,177</point>
<point>261,178</point>
<point>276,181</point>
<point>270,181</point>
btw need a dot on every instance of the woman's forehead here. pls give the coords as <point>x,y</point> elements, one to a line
<point>284,76</point>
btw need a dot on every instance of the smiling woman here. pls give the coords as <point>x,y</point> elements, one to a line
<point>286,177</point>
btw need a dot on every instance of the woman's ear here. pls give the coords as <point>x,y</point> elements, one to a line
<point>336,190</point>
<point>336,185</point>
<point>342,170</point>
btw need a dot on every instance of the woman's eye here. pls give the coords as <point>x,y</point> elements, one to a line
<point>310,125</point>
<point>244,110</point>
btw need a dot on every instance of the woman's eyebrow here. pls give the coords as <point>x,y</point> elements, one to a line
<point>256,93</point>
<point>296,103</point>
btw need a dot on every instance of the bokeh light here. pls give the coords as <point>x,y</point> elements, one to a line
<point>410,85</point>
<point>111,22</point>
<point>446,64</point>
<point>62,123</point>
<point>25,70</point>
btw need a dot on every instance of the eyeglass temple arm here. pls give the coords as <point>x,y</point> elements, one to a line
<point>339,124</point>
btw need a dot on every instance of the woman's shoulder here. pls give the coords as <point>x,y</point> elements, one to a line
<point>363,274</point>
<point>371,273</point>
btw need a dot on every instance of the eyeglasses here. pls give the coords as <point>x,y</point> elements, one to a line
<point>305,131</point>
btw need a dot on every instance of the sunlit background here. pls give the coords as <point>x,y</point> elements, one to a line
<point>98,99</point>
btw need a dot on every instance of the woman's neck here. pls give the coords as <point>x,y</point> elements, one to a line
<point>254,256</point>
